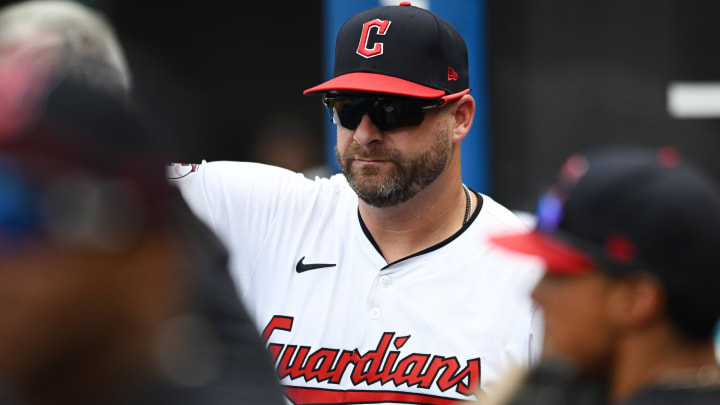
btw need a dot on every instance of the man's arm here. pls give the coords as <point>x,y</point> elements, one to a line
<point>239,201</point>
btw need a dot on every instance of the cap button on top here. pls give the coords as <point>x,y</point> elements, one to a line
<point>405,3</point>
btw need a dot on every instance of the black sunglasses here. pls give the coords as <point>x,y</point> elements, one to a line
<point>387,112</point>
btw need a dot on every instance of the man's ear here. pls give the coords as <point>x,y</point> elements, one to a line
<point>464,112</point>
<point>637,302</point>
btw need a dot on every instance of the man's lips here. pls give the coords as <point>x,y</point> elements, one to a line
<point>370,161</point>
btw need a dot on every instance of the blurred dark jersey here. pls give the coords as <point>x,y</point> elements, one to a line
<point>247,375</point>
<point>677,396</point>
<point>243,372</point>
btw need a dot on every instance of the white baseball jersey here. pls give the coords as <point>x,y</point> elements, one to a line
<point>343,325</point>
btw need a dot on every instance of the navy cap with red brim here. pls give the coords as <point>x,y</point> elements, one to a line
<point>559,256</point>
<point>377,83</point>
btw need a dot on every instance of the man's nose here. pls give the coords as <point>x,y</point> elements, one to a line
<point>367,133</point>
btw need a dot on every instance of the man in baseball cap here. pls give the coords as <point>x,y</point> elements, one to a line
<point>630,295</point>
<point>389,248</point>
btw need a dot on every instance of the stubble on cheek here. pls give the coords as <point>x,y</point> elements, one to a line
<point>398,179</point>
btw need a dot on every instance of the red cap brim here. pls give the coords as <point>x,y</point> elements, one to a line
<point>559,257</point>
<point>376,83</point>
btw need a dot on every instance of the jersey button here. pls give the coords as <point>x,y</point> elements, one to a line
<point>385,281</point>
<point>374,313</point>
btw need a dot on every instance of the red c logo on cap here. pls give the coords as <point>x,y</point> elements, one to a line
<point>377,49</point>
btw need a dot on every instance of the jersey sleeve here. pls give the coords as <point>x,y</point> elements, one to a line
<point>239,201</point>
<point>537,335</point>
<point>525,349</point>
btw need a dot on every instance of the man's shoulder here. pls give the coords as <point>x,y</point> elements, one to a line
<point>221,173</point>
<point>227,192</point>
<point>176,171</point>
<point>503,217</point>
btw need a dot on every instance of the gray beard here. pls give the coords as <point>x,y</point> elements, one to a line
<point>387,187</point>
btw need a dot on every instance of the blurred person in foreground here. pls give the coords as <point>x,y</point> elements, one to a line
<point>63,34</point>
<point>111,291</point>
<point>630,240</point>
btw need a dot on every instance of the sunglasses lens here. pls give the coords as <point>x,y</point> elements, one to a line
<point>350,112</point>
<point>388,114</point>
<point>385,113</point>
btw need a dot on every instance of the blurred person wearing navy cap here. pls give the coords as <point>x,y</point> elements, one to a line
<point>111,291</point>
<point>630,241</point>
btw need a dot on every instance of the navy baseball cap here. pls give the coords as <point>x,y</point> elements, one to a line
<point>623,210</point>
<point>402,50</point>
